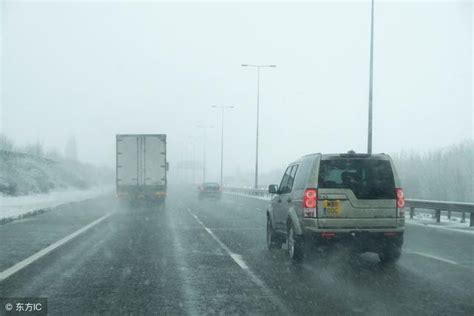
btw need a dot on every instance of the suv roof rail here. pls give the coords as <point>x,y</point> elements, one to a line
<point>352,154</point>
<point>308,155</point>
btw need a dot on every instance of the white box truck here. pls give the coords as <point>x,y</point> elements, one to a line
<point>141,166</point>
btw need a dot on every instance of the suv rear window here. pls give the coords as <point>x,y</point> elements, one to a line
<point>211,186</point>
<point>367,178</point>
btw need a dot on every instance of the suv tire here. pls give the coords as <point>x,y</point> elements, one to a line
<point>273,242</point>
<point>295,244</point>
<point>390,254</point>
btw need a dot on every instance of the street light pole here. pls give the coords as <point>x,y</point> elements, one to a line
<point>222,107</point>
<point>258,123</point>
<point>204,153</point>
<point>258,114</point>
<point>371,81</point>
<point>194,166</point>
<point>193,163</point>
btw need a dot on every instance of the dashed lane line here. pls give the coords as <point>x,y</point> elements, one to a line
<point>243,265</point>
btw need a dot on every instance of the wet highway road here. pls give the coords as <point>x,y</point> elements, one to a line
<point>209,257</point>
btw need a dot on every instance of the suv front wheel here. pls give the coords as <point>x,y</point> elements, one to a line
<point>295,244</point>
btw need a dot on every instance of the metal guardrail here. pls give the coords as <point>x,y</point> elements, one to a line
<point>438,206</point>
<point>412,204</point>
<point>248,191</point>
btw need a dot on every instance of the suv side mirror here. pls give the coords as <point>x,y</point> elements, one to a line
<point>272,188</point>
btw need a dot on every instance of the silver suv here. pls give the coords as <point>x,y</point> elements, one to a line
<point>352,199</point>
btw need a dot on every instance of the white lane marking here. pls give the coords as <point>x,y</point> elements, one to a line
<point>238,259</point>
<point>241,263</point>
<point>223,246</point>
<point>26,262</point>
<point>427,255</point>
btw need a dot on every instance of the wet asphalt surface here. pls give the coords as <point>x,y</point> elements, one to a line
<point>209,257</point>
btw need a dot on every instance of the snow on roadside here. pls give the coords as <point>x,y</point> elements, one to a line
<point>453,224</point>
<point>15,206</point>
<point>265,198</point>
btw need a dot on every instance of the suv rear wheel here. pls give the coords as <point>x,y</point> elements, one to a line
<point>272,240</point>
<point>390,254</point>
<point>295,244</point>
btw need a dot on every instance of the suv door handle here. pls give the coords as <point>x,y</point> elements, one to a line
<point>289,200</point>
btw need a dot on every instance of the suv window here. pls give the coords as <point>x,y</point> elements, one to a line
<point>211,186</point>
<point>302,176</point>
<point>367,178</point>
<point>288,178</point>
<point>284,181</point>
<point>291,179</point>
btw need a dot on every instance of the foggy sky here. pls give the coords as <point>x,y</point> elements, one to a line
<point>94,69</point>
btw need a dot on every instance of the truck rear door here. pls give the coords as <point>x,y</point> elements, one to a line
<point>154,153</point>
<point>127,160</point>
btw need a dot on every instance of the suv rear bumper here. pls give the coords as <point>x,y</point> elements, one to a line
<point>363,240</point>
<point>313,230</point>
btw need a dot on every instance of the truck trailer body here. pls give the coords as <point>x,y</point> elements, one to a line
<point>141,166</point>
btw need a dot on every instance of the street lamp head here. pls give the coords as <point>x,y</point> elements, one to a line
<point>222,106</point>
<point>258,66</point>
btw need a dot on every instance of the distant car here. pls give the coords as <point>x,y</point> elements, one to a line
<point>352,199</point>
<point>210,190</point>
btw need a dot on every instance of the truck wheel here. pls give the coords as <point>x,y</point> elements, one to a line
<point>295,244</point>
<point>390,254</point>
<point>273,242</point>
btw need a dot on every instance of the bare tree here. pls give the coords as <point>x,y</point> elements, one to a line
<point>70,151</point>
<point>444,174</point>
<point>6,143</point>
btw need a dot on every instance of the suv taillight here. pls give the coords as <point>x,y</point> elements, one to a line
<point>400,202</point>
<point>310,202</point>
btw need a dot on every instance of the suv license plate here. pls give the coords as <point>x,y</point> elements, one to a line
<point>332,207</point>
